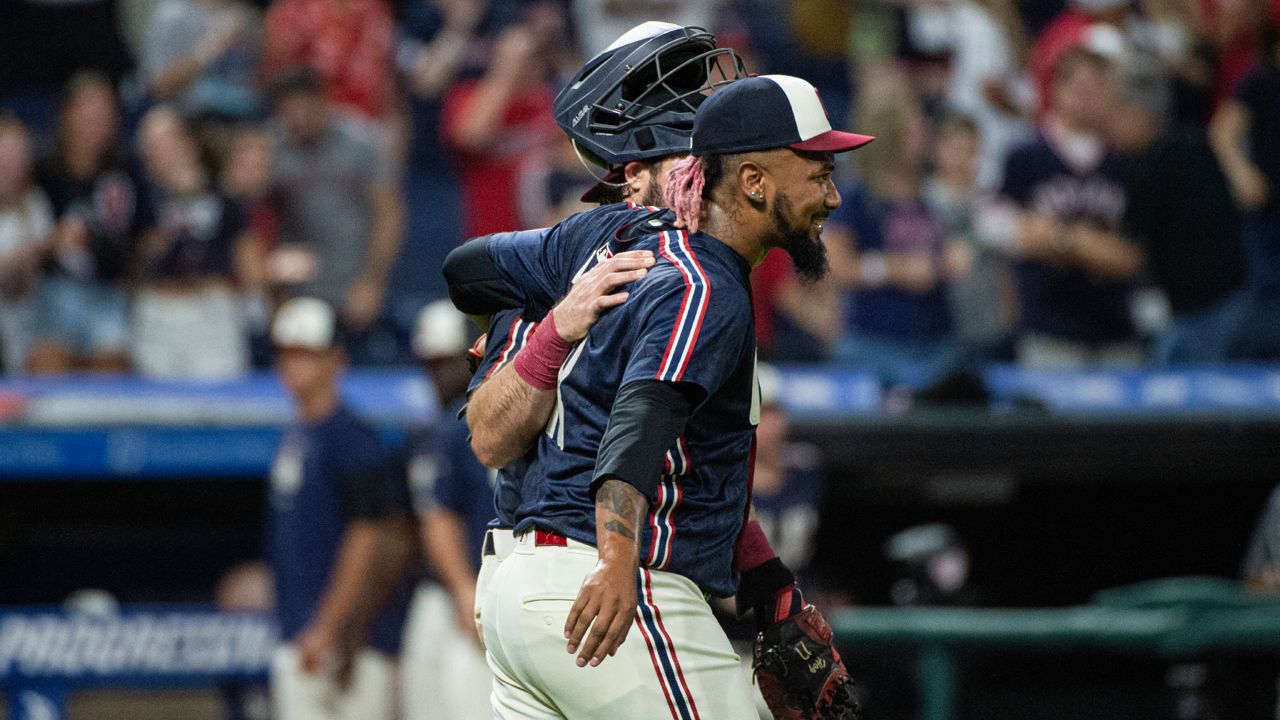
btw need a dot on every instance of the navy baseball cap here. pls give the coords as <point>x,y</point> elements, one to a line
<point>766,112</point>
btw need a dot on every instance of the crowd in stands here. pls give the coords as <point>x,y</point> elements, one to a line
<point>1055,185</point>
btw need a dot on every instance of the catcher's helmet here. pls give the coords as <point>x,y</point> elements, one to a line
<point>636,99</point>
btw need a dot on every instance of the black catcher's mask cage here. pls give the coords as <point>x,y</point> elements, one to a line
<point>638,101</point>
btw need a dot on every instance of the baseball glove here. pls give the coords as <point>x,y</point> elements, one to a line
<point>800,672</point>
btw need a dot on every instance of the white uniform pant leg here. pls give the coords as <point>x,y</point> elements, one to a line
<point>675,662</point>
<point>446,677</point>
<point>297,695</point>
<point>420,661</point>
<point>502,541</point>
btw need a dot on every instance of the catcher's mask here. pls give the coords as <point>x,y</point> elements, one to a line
<point>636,99</point>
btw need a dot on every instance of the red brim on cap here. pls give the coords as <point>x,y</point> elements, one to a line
<point>834,141</point>
<point>607,184</point>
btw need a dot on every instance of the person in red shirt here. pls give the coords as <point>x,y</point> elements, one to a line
<point>500,121</point>
<point>349,42</point>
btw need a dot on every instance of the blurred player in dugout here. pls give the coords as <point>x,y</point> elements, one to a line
<point>445,673</point>
<point>339,537</point>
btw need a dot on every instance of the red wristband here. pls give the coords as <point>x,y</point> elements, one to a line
<point>752,548</point>
<point>544,352</point>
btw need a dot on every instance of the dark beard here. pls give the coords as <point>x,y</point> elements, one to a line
<point>808,254</point>
<point>652,194</point>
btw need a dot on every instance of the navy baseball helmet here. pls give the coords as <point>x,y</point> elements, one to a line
<point>636,99</point>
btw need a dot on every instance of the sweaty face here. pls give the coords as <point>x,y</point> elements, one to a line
<point>804,198</point>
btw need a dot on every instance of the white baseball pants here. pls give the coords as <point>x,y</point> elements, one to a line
<point>298,695</point>
<point>675,662</point>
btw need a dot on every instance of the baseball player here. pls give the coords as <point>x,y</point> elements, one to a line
<point>508,413</point>
<point>639,94</point>
<point>339,537</point>
<point>654,410</point>
<point>452,495</point>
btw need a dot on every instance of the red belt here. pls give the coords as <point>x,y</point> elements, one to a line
<point>546,537</point>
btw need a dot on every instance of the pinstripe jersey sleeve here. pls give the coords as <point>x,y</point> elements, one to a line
<point>691,320</point>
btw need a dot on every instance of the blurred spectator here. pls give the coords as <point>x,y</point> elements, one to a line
<point>245,176</point>
<point>337,202</point>
<point>805,38</point>
<point>983,302</point>
<point>339,538</point>
<point>1235,28</point>
<point>202,57</point>
<point>888,249</point>
<point>26,227</point>
<point>437,39</point>
<point>499,122</point>
<point>1246,138</point>
<point>245,179</point>
<point>600,22</point>
<point>1093,24</point>
<point>102,212</point>
<point>1174,31</point>
<point>188,315</point>
<point>987,81</point>
<point>788,481</point>
<point>1179,211</point>
<point>246,588</point>
<point>434,41</point>
<point>551,185</point>
<point>349,43</point>
<point>796,321</point>
<point>453,496</point>
<point>1067,194</point>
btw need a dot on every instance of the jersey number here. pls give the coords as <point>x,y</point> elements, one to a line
<point>555,427</point>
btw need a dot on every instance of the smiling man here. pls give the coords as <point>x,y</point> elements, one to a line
<point>638,490</point>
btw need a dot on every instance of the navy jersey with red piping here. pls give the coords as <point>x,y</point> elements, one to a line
<point>508,332</point>
<point>543,257</point>
<point>540,265</point>
<point>687,321</point>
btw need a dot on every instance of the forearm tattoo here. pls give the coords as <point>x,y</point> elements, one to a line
<point>625,504</point>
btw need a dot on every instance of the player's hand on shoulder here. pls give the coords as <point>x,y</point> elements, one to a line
<point>603,613</point>
<point>597,290</point>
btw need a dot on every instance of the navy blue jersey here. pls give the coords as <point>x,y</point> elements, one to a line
<point>541,264</point>
<point>325,476</point>
<point>687,321</point>
<point>528,252</point>
<point>508,332</point>
<point>1058,301</point>
<point>444,473</point>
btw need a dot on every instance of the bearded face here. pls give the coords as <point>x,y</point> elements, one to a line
<point>800,235</point>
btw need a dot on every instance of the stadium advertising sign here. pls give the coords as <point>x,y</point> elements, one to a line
<point>47,653</point>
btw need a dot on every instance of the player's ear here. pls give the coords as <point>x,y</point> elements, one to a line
<point>636,176</point>
<point>752,180</point>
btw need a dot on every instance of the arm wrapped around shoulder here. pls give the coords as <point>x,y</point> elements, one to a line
<point>476,285</point>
